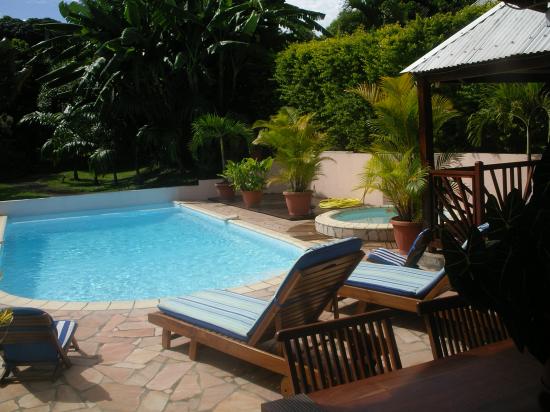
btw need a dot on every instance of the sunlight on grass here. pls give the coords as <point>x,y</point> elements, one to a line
<point>56,184</point>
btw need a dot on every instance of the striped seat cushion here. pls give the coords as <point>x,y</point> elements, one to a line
<point>396,280</point>
<point>65,331</point>
<point>222,311</point>
<point>386,257</point>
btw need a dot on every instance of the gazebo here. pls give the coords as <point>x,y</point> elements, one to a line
<point>509,43</point>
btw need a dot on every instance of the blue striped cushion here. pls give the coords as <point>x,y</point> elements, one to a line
<point>237,315</point>
<point>396,280</point>
<point>40,351</point>
<point>387,257</point>
<point>222,311</point>
<point>65,331</point>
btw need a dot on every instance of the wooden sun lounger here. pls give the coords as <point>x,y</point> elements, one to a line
<point>300,300</point>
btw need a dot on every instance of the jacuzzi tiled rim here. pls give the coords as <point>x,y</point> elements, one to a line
<point>327,225</point>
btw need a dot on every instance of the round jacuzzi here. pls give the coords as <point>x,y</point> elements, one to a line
<point>367,223</point>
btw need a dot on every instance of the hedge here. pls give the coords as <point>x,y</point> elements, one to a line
<point>315,75</point>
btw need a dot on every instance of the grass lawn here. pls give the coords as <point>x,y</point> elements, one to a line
<point>55,184</point>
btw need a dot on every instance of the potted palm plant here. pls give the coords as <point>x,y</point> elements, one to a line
<point>298,145</point>
<point>508,271</point>
<point>213,128</point>
<point>250,177</point>
<point>395,168</point>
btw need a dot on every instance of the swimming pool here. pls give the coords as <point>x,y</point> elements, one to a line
<point>134,253</point>
<point>366,215</point>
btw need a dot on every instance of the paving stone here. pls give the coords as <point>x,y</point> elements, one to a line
<point>32,400</point>
<point>207,380</point>
<point>86,349</point>
<point>43,408</point>
<point>84,332</point>
<point>168,376</point>
<point>240,401</point>
<point>115,352</point>
<point>112,324</point>
<point>115,396</point>
<point>214,395</point>
<point>136,333</point>
<point>117,374</point>
<point>141,356</point>
<point>8,406</point>
<point>153,401</point>
<point>265,393</point>
<point>134,325</point>
<point>82,377</point>
<point>143,376</point>
<point>149,341</point>
<point>187,388</point>
<point>12,391</point>
<point>67,399</point>
<point>178,407</point>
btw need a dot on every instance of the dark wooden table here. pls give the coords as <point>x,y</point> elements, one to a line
<point>491,378</point>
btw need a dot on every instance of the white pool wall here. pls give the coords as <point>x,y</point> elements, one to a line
<point>105,200</point>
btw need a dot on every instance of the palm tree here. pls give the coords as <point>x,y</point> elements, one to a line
<point>507,103</point>
<point>213,128</point>
<point>77,135</point>
<point>395,167</point>
<point>298,145</point>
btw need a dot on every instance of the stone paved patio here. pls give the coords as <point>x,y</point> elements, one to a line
<point>121,365</point>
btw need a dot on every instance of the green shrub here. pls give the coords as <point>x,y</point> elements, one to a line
<point>314,76</point>
<point>249,174</point>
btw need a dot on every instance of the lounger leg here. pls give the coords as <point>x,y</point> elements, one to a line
<point>166,338</point>
<point>74,344</point>
<point>286,387</point>
<point>193,349</point>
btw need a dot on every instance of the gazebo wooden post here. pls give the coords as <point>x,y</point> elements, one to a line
<point>426,144</point>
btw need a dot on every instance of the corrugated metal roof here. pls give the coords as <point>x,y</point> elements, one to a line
<point>500,33</point>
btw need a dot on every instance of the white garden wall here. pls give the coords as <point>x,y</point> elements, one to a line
<point>340,176</point>
<point>62,204</point>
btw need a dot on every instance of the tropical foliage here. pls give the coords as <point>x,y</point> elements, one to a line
<point>510,271</point>
<point>148,69</point>
<point>375,13</point>
<point>313,76</point>
<point>511,104</point>
<point>395,168</point>
<point>249,174</point>
<point>298,145</point>
<point>221,130</point>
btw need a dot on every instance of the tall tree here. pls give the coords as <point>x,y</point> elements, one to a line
<point>375,13</point>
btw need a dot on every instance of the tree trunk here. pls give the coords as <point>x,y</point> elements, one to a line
<point>115,177</point>
<point>96,180</point>
<point>222,153</point>
<point>528,143</point>
<point>75,169</point>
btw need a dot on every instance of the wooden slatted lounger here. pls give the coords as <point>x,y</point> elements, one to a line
<point>236,324</point>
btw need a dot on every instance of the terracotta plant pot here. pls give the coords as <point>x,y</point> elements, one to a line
<point>405,233</point>
<point>298,203</point>
<point>225,191</point>
<point>252,199</point>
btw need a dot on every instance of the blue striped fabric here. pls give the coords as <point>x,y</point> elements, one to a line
<point>222,311</point>
<point>40,351</point>
<point>396,280</point>
<point>238,316</point>
<point>386,257</point>
<point>65,331</point>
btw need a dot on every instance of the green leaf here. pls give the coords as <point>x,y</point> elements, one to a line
<point>132,12</point>
<point>249,27</point>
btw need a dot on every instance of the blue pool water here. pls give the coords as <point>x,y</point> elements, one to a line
<point>366,215</point>
<point>127,254</point>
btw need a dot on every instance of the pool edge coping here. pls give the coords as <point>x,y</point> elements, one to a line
<point>10,300</point>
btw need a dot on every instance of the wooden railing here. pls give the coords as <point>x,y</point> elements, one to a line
<point>459,194</point>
